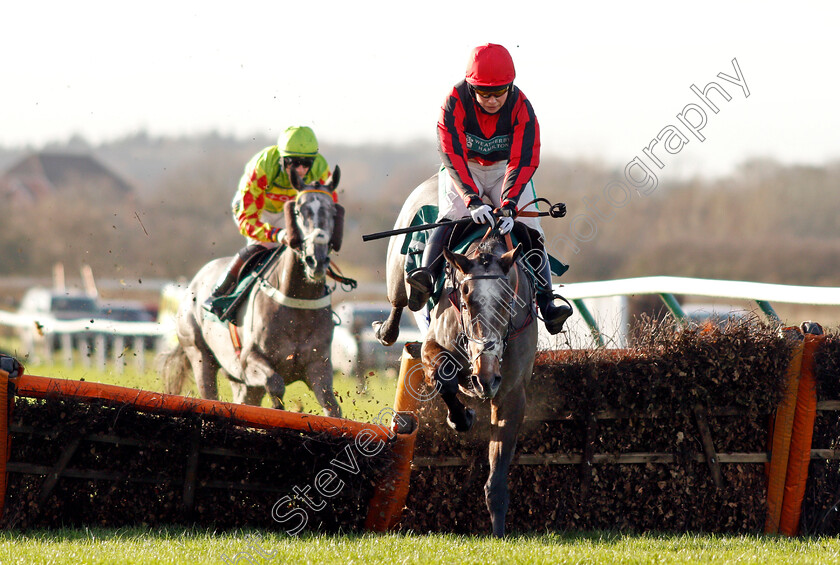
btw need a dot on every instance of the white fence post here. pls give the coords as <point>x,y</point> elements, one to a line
<point>119,354</point>
<point>101,352</point>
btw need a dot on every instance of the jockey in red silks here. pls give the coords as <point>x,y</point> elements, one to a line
<point>489,142</point>
<point>264,189</point>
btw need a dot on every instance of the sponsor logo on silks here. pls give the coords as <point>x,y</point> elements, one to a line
<point>282,197</point>
<point>488,146</point>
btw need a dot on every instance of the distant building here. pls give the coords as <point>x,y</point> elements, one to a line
<point>41,174</point>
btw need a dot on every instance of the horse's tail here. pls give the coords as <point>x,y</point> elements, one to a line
<point>174,369</point>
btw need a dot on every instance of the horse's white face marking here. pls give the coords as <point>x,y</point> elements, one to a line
<point>315,206</point>
<point>316,225</point>
<point>488,319</point>
<point>318,235</point>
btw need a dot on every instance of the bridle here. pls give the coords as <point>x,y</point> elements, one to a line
<point>467,326</point>
<point>463,312</point>
<point>319,235</point>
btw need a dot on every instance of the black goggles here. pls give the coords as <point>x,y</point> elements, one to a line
<point>298,162</point>
<point>495,92</point>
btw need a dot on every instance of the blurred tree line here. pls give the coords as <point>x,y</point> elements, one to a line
<point>765,222</point>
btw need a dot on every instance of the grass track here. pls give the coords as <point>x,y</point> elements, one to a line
<point>138,545</point>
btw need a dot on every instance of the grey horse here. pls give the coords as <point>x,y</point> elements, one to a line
<point>284,330</point>
<point>481,341</point>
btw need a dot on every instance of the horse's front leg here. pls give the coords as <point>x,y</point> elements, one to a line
<point>276,388</point>
<point>506,417</point>
<point>257,375</point>
<point>243,394</point>
<point>441,366</point>
<point>319,376</point>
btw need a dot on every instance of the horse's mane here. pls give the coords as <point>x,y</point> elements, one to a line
<point>488,247</point>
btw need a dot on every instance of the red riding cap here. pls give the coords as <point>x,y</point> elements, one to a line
<point>490,65</point>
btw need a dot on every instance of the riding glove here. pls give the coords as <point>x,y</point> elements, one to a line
<point>505,224</point>
<point>481,213</point>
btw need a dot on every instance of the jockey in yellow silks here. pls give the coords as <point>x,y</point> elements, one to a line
<point>263,191</point>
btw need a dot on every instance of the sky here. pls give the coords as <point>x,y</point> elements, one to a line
<point>605,78</point>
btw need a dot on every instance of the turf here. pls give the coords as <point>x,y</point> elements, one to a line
<point>138,545</point>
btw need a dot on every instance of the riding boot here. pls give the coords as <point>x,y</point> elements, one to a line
<point>227,281</point>
<point>422,279</point>
<point>554,316</point>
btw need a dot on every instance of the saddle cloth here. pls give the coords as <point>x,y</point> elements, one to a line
<point>247,276</point>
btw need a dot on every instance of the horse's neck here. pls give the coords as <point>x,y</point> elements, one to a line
<point>290,279</point>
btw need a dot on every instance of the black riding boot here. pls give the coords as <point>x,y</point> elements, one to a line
<point>422,279</point>
<point>226,282</point>
<point>553,316</point>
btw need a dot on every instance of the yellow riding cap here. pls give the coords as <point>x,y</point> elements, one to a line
<point>298,141</point>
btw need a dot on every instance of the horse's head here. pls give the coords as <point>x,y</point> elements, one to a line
<point>314,224</point>
<point>487,291</point>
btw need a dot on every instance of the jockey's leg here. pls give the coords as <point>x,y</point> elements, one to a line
<point>554,316</point>
<point>422,279</point>
<point>226,282</point>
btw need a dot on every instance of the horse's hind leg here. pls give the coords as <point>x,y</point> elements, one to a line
<point>388,331</point>
<point>204,368</point>
<point>505,420</point>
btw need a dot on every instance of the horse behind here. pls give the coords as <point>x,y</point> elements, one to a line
<point>284,330</point>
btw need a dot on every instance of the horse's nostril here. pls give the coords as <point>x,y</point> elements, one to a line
<point>497,382</point>
<point>310,262</point>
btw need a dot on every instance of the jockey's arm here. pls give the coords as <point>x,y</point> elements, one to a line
<point>524,153</point>
<point>251,197</point>
<point>452,147</point>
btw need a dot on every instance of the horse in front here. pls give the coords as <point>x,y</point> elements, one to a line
<point>482,342</point>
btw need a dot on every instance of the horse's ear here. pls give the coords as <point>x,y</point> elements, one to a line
<point>336,176</point>
<point>459,261</point>
<point>508,258</point>
<point>294,178</point>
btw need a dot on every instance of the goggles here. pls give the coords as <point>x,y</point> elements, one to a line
<point>298,162</point>
<point>494,92</point>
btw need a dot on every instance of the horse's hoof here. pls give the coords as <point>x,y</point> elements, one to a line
<point>469,420</point>
<point>386,340</point>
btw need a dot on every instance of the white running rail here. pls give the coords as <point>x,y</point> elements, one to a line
<point>819,295</point>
